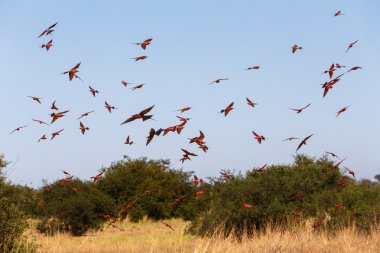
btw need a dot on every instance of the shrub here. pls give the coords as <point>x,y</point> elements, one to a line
<point>310,187</point>
<point>63,209</point>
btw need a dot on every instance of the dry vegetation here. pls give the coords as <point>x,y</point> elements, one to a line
<point>148,236</point>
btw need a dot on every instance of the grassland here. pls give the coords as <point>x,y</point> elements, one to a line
<point>148,236</point>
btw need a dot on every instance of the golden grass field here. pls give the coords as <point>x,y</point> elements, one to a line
<point>148,236</point>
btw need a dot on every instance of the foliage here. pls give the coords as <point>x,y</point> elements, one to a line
<point>311,187</point>
<point>64,209</point>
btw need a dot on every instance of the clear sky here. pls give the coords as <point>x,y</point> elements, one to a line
<point>194,43</point>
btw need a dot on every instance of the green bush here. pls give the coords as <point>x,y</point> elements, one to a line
<point>276,194</point>
<point>63,209</point>
<point>150,190</point>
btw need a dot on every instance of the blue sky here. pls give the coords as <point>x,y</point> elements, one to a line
<point>193,44</point>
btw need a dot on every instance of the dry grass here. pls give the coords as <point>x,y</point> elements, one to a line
<point>149,236</point>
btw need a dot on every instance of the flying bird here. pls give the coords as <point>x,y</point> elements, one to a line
<point>291,138</point>
<point>303,142</point>
<point>140,115</point>
<point>301,109</point>
<point>227,109</point>
<point>125,83</point>
<point>217,81</point>
<point>53,135</point>
<point>82,128</point>
<point>253,68</point>
<point>333,155</point>
<point>342,110</point>
<point>40,122</point>
<point>109,108</point>
<point>18,129</point>
<point>261,169</point>
<point>354,68</point>
<point>351,45</point>
<point>72,72</point>
<point>58,115</point>
<point>295,48</point>
<point>93,91</point>
<point>85,114</point>
<point>138,86</point>
<point>43,137</point>
<point>152,133</point>
<point>183,109</point>
<point>47,45</point>
<point>338,13</point>
<point>48,30</point>
<point>128,142</point>
<point>144,44</point>
<point>54,107</point>
<point>139,58</point>
<point>38,100</point>
<point>350,172</point>
<point>250,103</point>
<point>258,137</point>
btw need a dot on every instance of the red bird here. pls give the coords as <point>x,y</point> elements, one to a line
<point>53,107</point>
<point>58,115</point>
<point>303,142</point>
<point>82,128</point>
<point>65,180</point>
<point>97,177</point>
<point>138,86</point>
<point>93,91</point>
<point>261,169</point>
<point>259,138</point>
<point>128,142</point>
<point>18,129</point>
<point>298,196</point>
<point>354,68</point>
<point>342,110</point>
<point>198,194</point>
<point>295,48</point>
<point>125,83</point>
<point>38,100</point>
<point>218,80</point>
<point>317,224</point>
<point>291,138</point>
<point>109,108</point>
<point>187,153</point>
<point>227,109</point>
<point>67,174</point>
<point>301,109</point>
<point>47,45</point>
<point>253,68</point>
<point>43,137</point>
<point>48,30</point>
<point>183,109</point>
<point>297,214</point>
<point>351,45</point>
<point>196,181</point>
<point>179,199</point>
<point>74,189</point>
<point>53,135</point>
<point>167,225</point>
<point>350,172</point>
<point>331,70</point>
<point>152,133</point>
<point>338,206</point>
<point>249,102</point>
<point>40,121</point>
<point>72,72</point>
<point>336,166</point>
<point>144,44</point>
<point>139,58</point>
<point>226,175</point>
<point>140,115</point>
<point>332,154</point>
<point>85,114</point>
<point>247,206</point>
<point>338,13</point>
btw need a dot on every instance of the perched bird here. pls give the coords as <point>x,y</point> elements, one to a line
<point>217,81</point>
<point>58,115</point>
<point>303,142</point>
<point>140,115</point>
<point>93,91</point>
<point>227,109</point>
<point>18,129</point>
<point>38,100</point>
<point>82,128</point>
<point>139,58</point>
<point>53,135</point>
<point>295,48</point>
<point>342,110</point>
<point>297,214</point>
<point>258,137</point>
<point>247,206</point>
<point>85,114</point>
<point>109,108</point>
<point>351,45</point>
<point>54,107</point>
<point>128,142</point>
<point>144,44</point>
<point>48,30</point>
<point>250,103</point>
<point>301,109</point>
<point>72,72</point>
<point>48,45</point>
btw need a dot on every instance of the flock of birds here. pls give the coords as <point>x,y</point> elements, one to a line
<point>144,115</point>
